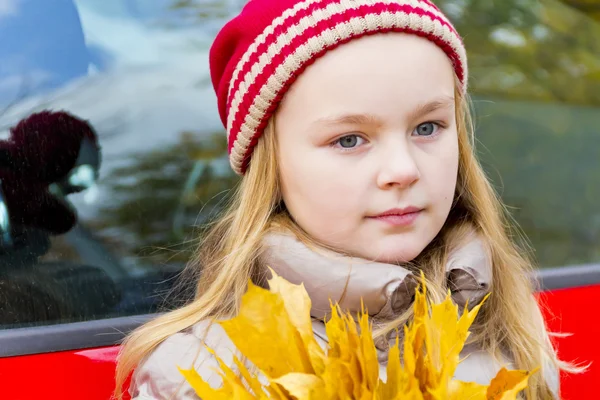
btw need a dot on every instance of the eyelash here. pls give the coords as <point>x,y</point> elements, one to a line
<point>439,125</point>
<point>336,143</point>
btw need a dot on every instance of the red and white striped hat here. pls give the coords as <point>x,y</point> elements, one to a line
<point>258,54</point>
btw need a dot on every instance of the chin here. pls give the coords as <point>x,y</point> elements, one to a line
<point>393,254</point>
<point>396,249</point>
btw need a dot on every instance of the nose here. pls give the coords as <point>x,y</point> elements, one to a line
<point>398,167</point>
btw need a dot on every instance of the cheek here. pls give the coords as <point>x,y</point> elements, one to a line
<point>322,197</point>
<point>443,171</point>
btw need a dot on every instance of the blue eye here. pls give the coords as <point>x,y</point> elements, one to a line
<point>349,141</point>
<point>426,129</point>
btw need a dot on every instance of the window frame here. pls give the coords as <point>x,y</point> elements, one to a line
<point>111,331</point>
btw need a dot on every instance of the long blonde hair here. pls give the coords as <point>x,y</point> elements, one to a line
<point>510,322</point>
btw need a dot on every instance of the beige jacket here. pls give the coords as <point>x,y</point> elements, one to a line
<point>386,290</point>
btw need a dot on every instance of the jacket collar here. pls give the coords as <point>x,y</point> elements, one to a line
<point>386,290</point>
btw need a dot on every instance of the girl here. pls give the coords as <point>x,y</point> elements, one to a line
<point>349,122</point>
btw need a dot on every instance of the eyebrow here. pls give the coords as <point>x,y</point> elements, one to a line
<point>431,106</point>
<point>371,119</point>
<point>351,119</point>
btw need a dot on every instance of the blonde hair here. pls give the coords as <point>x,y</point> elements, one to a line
<point>510,321</point>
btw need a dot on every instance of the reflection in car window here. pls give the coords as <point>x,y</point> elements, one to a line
<point>536,86</point>
<point>137,72</point>
<point>136,191</point>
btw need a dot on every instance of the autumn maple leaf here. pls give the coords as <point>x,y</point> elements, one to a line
<point>273,330</point>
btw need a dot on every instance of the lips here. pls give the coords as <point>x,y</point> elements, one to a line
<point>398,212</point>
<point>399,216</point>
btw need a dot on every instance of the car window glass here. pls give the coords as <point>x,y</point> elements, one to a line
<point>99,223</point>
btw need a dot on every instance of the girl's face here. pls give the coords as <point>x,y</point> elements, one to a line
<point>368,147</point>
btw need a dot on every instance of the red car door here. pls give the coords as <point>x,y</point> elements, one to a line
<point>55,372</point>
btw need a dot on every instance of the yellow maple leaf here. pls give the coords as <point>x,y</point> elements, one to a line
<point>302,386</point>
<point>265,333</point>
<point>507,384</point>
<point>458,390</point>
<point>274,331</point>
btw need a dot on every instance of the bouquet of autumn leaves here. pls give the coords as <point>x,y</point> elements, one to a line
<point>273,330</point>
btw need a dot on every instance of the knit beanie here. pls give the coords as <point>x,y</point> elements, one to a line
<point>257,55</point>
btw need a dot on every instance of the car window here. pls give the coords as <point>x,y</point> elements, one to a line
<point>107,232</point>
<point>113,156</point>
<point>535,69</point>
